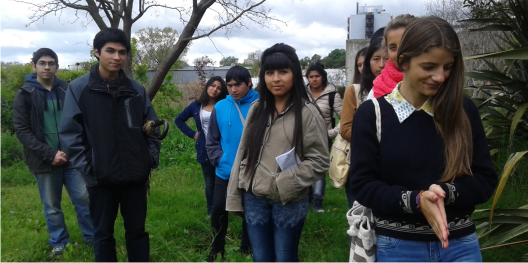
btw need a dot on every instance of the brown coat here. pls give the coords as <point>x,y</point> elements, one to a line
<point>349,109</point>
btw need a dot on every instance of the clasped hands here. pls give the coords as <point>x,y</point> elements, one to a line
<point>432,206</point>
<point>60,159</point>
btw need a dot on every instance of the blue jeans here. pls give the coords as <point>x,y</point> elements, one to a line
<point>319,191</point>
<point>274,229</point>
<point>209,174</point>
<point>50,189</point>
<point>463,249</point>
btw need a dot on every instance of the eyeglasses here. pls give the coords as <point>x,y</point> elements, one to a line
<point>43,64</point>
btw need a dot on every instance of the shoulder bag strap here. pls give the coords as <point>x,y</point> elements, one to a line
<point>331,99</point>
<point>378,118</point>
<point>240,114</point>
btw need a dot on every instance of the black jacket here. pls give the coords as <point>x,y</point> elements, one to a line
<point>28,122</point>
<point>102,134</point>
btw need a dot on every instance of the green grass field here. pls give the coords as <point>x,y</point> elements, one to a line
<point>177,221</point>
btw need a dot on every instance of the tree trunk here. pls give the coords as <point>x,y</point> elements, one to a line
<point>178,48</point>
<point>127,29</point>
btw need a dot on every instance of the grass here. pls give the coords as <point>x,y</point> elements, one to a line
<point>177,222</point>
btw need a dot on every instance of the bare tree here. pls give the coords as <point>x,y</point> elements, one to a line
<point>229,14</point>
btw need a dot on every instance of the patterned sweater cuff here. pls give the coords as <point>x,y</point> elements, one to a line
<point>408,202</point>
<point>451,193</point>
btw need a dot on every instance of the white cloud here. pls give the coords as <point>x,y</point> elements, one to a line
<point>313,27</point>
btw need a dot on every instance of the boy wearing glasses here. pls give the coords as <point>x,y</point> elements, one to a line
<point>37,112</point>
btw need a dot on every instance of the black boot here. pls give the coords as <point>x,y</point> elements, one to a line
<point>214,254</point>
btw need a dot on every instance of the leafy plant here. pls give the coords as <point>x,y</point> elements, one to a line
<point>505,108</point>
<point>504,111</point>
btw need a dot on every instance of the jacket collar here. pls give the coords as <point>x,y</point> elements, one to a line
<point>403,108</point>
<point>96,82</point>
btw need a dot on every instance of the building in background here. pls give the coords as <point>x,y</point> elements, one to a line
<point>366,21</point>
<point>361,26</point>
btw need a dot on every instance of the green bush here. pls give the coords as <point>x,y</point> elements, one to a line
<point>12,151</point>
<point>12,78</point>
<point>70,75</point>
<point>341,91</point>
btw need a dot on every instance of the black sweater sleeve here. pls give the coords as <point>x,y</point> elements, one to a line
<point>364,174</point>
<point>477,189</point>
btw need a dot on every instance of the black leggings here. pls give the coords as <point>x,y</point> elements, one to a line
<point>219,217</point>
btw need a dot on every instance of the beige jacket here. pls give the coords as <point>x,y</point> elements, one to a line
<point>269,181</point>
<point>323,103</point>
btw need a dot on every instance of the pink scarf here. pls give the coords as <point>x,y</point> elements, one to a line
<point>388,79</point>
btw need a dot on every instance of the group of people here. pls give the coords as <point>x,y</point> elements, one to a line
<point>421,166</point>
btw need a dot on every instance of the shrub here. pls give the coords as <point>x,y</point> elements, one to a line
<point>12,151</point>
<point>341,91</point>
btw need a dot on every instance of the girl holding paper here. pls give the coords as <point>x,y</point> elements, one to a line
<point>275,200</point>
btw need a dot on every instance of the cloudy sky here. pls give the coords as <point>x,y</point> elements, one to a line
<point>313,27</point>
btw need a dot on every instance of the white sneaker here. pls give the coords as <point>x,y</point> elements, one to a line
<point>57,252</point>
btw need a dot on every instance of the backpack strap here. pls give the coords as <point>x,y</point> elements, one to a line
<point>331,98</point>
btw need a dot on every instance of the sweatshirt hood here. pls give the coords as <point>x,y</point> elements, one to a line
<point>32,79</point>
<point>250,97</point>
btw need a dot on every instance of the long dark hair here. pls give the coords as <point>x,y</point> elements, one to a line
<point>357,75</point>
<point>367,78</point>
<point>279,56</point>
<point>204,97</point>
<point>319,67</point>
<point>451,120</point>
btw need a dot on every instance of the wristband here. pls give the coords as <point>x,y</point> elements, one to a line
<point>418,200</point>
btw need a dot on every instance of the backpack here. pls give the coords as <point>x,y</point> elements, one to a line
<point>340,156</point>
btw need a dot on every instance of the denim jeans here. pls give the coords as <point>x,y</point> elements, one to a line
<point>131,200</point>
<point>209,174</point>
<point>463,249</point>
<point>274,229</point>
<point>319,191</point>
<point>50,189</point>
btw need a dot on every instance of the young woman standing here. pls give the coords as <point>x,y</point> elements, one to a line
<point>375,61</point>
<point>282,121</point>
<point>432,165</point>
<point>215,89</point>
<point>325,96</point>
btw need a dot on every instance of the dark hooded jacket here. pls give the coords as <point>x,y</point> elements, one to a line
<point>101,130</point>
<point>32,102</point>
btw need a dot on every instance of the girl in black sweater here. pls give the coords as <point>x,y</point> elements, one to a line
<point>432,164</point>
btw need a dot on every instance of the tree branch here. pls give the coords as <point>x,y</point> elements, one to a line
<point>227,23</point>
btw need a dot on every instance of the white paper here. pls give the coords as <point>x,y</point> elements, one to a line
<point>288,160</point>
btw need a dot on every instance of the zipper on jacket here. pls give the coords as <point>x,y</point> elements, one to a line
<point>129,117</point>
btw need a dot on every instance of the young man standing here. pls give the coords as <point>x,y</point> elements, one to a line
<point>37,111</point>
<point>101,130</point>
<point>225,131</point>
